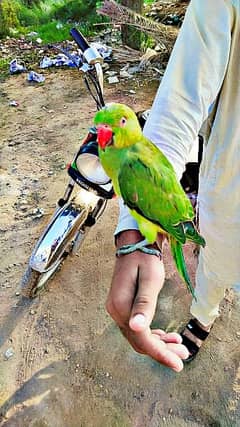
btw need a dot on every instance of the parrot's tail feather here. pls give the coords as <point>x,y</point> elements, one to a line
<point>192,234</point>
<point>178,256</point>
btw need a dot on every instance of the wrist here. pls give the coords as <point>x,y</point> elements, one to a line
<point>128,237</point>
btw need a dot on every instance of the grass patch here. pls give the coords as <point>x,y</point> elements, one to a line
<point>56,31</point>
<point>50,33</point>
<point>51,19</point>
<point>39,13</point>
<point>4,68</point>
<point>43,16</point>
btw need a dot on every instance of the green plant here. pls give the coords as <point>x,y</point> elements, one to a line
<point>27,16</point>
<point>4,68</point>
<point>8,16</point>
<point>52,32</point>
<point>147,41</point>
<point>75,10</point>
<point>49,33</point>
<point>43,16</point>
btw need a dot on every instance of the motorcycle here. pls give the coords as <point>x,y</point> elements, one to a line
<point>73,216</point>
<point>76,214</point>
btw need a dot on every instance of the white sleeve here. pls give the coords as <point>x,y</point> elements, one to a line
<point>191,83</point>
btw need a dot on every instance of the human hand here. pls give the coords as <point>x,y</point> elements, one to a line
<point>136,283</point>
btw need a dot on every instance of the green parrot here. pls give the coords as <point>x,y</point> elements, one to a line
<point>145,179</point>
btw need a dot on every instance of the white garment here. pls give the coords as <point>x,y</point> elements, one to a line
<point>204,69</point>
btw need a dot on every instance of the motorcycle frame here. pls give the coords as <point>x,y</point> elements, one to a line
<point>74,216</point>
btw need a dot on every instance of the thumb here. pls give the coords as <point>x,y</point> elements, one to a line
<point>138,322</point>
<point>144,306</point>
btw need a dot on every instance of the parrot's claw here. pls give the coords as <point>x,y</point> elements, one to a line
<point>140,246</point>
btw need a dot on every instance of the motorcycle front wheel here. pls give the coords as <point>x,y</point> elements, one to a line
<point>34,282</point>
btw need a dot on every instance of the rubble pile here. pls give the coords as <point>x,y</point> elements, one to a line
<point>163,34</point>
<point>120,62</point>
<point>161,20</point>
<point>168,13</point>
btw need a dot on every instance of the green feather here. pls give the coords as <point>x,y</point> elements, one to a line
<point>177,253</point>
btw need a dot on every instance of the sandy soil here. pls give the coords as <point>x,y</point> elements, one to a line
<point>70,365</point>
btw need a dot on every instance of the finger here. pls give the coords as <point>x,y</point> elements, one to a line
<point>173,337</point>
<point>173,341</point>
<point>171,360</point>
<point>150,282</point>
<point>179,349</point>
<point>169,355</point>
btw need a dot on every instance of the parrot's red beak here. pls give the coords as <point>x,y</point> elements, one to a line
<point>104,136</point>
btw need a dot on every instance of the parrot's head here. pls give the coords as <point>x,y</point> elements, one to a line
<point>117,125</point>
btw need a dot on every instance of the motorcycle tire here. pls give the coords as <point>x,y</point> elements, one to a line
<point>33,282</point>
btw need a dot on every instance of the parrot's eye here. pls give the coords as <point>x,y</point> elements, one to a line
<point>123,121</point>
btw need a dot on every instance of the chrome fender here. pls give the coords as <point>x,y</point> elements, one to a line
<point>63,227</point>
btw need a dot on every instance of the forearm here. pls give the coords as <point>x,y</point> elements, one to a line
<point>192,80</point>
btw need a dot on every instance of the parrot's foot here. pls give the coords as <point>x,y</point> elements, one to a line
<point>139,246</point>
<point>196,251</point>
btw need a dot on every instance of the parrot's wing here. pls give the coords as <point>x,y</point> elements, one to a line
<point>150,187</point>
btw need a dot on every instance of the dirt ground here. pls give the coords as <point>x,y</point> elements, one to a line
<point>70,366</point>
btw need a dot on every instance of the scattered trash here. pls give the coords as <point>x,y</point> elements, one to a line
<point>130,60</point>
<point>169,13</point>
<point>15,67</point>
<point>105,51</point>
<point>160,47</point>
<point>8,353</point>
<point>113,79</point>
<point>37,213</point>
<point>46,62</point>
<point>74,59</point>
<point>32,34</point>
<point>105,66</point>
<point>160,72</point>
<point>35,77</point>
<point>14,103</point>
<point>133,70</point>
<point>146,58</point>
<point>111,73</point>
<point>60,60</point>
<point>125,74</point>
<point>173,19</point>
<point>59,26</point>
